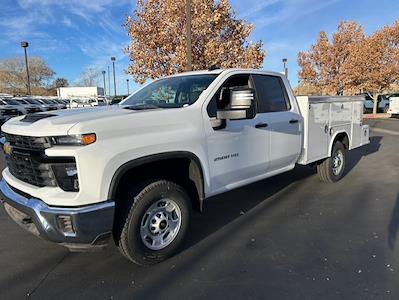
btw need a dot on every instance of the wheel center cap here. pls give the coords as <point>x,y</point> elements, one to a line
<point>158,223</point>
<point>163,224</point>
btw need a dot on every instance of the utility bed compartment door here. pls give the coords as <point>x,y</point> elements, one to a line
<point>318,137</point>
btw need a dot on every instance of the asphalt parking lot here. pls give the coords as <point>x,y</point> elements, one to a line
<point>288,237</point>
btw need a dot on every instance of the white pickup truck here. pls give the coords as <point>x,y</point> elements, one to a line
<point>134,171</point>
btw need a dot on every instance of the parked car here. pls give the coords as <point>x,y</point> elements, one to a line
<point>29,107</point>
<point>383,103</point>
<point>59,104</point>
<point>131,173</point>
<point>43,107</point>
<point>19,107</point>
<point>49,104</point>
<point>8,110</point>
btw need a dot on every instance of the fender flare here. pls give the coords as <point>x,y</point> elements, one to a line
<point>196,171</point>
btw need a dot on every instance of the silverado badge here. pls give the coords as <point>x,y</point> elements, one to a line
<point>7,148</point>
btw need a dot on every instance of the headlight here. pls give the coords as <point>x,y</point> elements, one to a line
<point>66,176</point>
<point>78,139</point>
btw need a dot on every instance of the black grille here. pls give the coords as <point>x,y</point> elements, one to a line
<point>27,169</point>
<point>32,110</point>
<point>27,142</point>
<point>10,112</point>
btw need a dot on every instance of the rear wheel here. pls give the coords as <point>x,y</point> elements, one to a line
<point>156,222</point>
<point>332,169</point>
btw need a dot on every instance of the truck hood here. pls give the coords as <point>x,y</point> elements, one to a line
<point>60,121</point>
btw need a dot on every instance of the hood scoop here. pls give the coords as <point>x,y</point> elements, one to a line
<point>32,118</point>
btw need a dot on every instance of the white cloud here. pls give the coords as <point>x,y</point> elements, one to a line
<point>257,8</point>
<point>290,11</point>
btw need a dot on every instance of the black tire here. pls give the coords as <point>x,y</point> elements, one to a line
<point>386,109</point>
<point>325,168</point>
<point>139,200</point>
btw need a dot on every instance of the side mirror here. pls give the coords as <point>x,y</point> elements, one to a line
<point>241,105</point>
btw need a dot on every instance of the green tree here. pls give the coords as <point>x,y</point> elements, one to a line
<point>60,82</point>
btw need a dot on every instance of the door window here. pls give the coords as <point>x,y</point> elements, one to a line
<point>272,96</point>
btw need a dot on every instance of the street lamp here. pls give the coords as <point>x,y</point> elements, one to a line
<point>25,45</point>
<point>109,82</point>
<point>113,58</point>
<point>285,60</point>
<point>127,84</point>
<point>104,92</point>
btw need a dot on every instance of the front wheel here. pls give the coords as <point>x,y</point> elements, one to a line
<point>332,169</point>
<point>156,222</point>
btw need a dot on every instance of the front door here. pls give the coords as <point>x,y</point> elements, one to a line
<point>239,151</point>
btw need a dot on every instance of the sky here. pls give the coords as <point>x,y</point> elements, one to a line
<point>73,35</point>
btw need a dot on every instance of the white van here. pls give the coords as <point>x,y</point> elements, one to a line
<point>393,104</point>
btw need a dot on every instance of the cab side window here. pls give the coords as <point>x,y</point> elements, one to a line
<point>221,98</point>
<point>272,95</point>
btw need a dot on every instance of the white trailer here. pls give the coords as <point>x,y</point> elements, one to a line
<point>80,91</point>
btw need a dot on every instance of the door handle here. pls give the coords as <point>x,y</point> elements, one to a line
<point>293,121</point>
<point>261,125</point>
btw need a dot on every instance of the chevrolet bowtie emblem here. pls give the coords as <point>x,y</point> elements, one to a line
<point>7,148</point>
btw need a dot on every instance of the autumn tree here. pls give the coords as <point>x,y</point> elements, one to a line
<point>373,65</point>
<point>158,47</point>
<point>13,77</point>
<point>323,65</point>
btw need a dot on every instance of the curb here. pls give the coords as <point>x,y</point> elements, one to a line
<point>377,116</point>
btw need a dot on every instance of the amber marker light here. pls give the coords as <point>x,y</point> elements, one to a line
<point>88,139</point>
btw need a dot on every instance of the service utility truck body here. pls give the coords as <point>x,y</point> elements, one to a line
<point>134,171</point>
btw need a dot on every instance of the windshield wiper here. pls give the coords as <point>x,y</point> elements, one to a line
<point>141,106</point>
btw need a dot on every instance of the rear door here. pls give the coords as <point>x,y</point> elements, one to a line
<point>283,121</point>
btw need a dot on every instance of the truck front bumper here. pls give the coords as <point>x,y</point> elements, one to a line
<point>78,228</point>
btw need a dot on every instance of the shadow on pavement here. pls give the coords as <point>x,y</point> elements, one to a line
<point>224,209</point>
<point>356,155</point>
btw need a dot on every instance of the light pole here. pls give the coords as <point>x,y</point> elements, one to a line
<point>113,58</point>
<point>127,84</point>
<point>109,82</point>
<point>188,36</point>
<point>105,93</point>
<point>285,60</point>
<point>25,45</point>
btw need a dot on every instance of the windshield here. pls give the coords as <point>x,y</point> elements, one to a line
<point>12,102</point>
<point>32,101</point>
<point>171,92</point>
<point>22,101</point>
<point>45,101</point>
